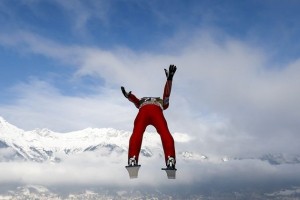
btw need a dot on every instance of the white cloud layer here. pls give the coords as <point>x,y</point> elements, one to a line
<point>90,169</point>
<point>227,94</point>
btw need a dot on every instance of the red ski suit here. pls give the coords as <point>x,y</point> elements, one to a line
<point>151,113</point>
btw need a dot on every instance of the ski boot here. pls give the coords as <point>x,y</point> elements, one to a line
<point>170,170</point>
<point>133,167</point>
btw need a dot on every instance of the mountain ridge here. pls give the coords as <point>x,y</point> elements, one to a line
<point>41,145</point>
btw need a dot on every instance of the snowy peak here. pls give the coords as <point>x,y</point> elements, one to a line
<point>4,124</point>
<point>6,128</point>
<point>43,144</point>
<point>2,120</point>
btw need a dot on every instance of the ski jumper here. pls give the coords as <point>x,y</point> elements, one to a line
<point>151,113</point>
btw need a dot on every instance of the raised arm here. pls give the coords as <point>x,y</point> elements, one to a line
<point>131,97</point>
<point>168,86</point>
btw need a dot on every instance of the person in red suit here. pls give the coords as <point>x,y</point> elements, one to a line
<point>151,113</point>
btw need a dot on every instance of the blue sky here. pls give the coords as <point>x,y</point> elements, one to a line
<point>63,62</point>
<point>236,91</point>
<point>141,26</point>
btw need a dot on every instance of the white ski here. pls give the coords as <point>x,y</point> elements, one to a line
<point>171,173</point>
<point>133,171</point>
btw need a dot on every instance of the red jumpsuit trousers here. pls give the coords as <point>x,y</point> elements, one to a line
<point>151,115</point>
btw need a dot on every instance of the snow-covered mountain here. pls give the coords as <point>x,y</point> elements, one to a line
<point>41,192</point>
<point>45,145</point>
<point>42,144</point>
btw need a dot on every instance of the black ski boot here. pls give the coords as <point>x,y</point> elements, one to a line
<point>170,170</point>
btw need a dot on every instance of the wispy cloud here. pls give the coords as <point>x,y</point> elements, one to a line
<point>223,89</point>
<point>80,13</point>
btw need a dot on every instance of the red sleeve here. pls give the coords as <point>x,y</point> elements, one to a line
<point>134,100</point>
<point>167,92</point>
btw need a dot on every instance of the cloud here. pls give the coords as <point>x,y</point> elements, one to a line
<point>39,105</point>
<point>92,169</point>
<point>227,94</point>
<point>75,16</point>
<point>80,13</point>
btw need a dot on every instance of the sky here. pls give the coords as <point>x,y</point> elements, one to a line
<point>235,92</point>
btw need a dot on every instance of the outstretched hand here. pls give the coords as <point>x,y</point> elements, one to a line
<point>171,72</point>
<point>126,94</point>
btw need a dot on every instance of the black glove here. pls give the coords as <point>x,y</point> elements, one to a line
<point>171,72</point>
<point>125,93</point>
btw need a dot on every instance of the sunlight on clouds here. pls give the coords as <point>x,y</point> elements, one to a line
<point>228,79</point>
<point>39,105</point>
